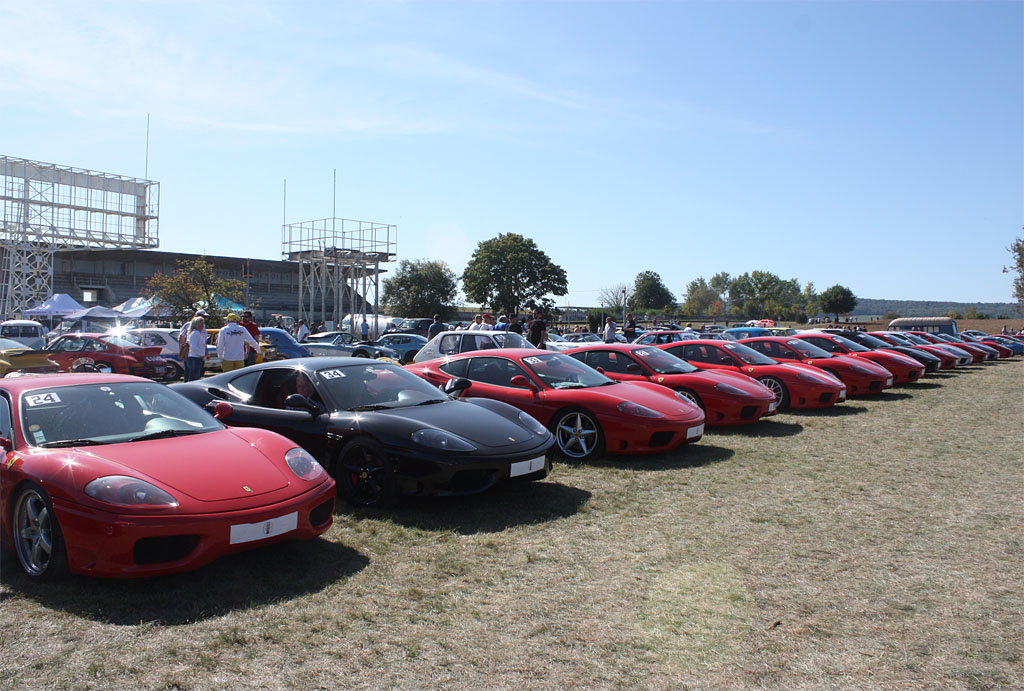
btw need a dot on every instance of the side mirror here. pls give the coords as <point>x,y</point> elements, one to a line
<point>519,381</point>
<point>600,369</point>
<point>456,386</point>
<point>222,410</point>
<point>297,401</point>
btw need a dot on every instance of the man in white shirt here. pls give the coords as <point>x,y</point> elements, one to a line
<point>302,332</point>
<point>231,342</point>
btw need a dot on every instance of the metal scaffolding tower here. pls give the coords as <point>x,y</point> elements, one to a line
<point>339,266</point>
<point>48,208</point>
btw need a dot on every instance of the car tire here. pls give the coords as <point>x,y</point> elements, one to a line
<point>578,435</point>
<point>693,397</point>
<point>104,367</point>
<point>779,389</point>
<point>38,541</point>
<point>84,367</point>
<point>365,474</point>
<point>360,353</point>
<point>173,371</point>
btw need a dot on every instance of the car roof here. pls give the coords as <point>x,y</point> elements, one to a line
<point>28,382</point>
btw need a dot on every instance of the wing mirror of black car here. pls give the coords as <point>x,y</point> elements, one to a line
<point>300,402</point>
<point>521,382</point>
<point>633,368</point>
<point>456,386</point>
<point>222,410</point>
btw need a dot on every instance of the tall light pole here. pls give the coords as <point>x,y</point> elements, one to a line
<point>623,306</point>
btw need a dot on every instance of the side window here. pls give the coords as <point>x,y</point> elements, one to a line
<point>70,345</point>
<point>826,344</point>
<point>456,368</point>
<point>764,347</point>
<point>94,346</point>
<point>245,385</point>
<point>276,385</point>
<point>493,370</point>
<point>477,342</point>
<point>152,340</point>
<point>449,344</point>
<point>5,419</point>
<point>609,361</point>
<point>581,356</point>
<point>784,352</point>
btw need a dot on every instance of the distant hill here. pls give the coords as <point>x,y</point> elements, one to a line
<point>930,308</point>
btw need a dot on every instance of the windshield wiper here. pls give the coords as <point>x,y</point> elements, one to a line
<point>163,434</point>
<point>432,401</point>
<point>371,406</point>
<point>570,385</point>
<point>61,443</point>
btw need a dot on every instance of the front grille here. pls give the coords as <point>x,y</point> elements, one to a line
<point>661,439</point>
<point>748,411</point>
<point>468,481</point>
<point>322,513</point>
<point>154,550</point>
<point>875,386</point>
<point>825,397</point>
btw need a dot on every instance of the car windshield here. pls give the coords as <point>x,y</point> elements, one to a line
<point>663,362</point>
<point>556,338</point>
<point>872,341</point>
<point>117,341</point>
<point>375,386</point>
<point>109,413</point>
<point>6,343</point>
<point>807,350</point>
<point>563,372</point>
<point>131,337</point>
<point>915,340</point>
<point>849,345</point>
<point>747,355</point>
<point>585,338</point>
<point>409,324</point>
<point>510,340</point>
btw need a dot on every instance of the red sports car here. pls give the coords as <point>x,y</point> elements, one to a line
<point>586,411</point>
<point>727,398</point>
<point>978,353</point>
<point>117,476</point>
<point>948,358</point>
<point>795,385</point>
<point>904,369</point>
<point>105,353</point>
<point>862,377</point>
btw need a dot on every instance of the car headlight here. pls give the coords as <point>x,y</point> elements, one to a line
<point>303,464</point>
<point>722,387</point>
<point>815,378</point>
<point>630,408</point>
<point>122,490</point>
<point>530,423</point>
<point>860,369</point>
<point>686,399</point>
<point>439,439</point>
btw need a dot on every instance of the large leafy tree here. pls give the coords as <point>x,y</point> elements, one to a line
<point>510,272</point>
<point>650,292</point>
<point>1016,250</point>
<point>761,294</point>
<point>421,288</point>
<point>837,300</point>
<point>699,298</point>
<point>195,285</point>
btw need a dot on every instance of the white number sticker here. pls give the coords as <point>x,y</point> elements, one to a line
<point>642,353</point>
<point>332,374</point>
<point>42,399</point>
<point>532,360</point>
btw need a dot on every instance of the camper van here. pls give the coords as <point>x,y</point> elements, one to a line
<point>942,325</point>
<point>24,331</point>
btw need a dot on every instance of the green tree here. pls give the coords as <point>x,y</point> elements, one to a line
<point>837,300</point>
<point>421,288</point>
<point>971,312</point>
<point>649,292</point>
<point>699,298</point>
<point>195,285</point>
<point>1016,250</point>
<point>510,272</point>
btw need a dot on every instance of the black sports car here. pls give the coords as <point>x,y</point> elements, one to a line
<point>378,429</point>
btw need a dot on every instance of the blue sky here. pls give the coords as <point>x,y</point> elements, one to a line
<point>876,145</point>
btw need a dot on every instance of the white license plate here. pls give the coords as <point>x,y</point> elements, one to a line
<point>772,406</point>
<point>888,382</point>
<point>526,467</point>
<point>250,532</point>
<point>695,432</point>
<point>842,396</point>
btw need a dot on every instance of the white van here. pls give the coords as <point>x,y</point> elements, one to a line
<point>24,331</point>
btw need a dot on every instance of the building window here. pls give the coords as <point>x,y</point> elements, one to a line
<point>90,295</point>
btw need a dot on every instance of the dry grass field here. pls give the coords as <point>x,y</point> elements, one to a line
<point>875,546</point>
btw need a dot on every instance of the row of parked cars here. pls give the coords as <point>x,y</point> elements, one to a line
<point>114,475</point>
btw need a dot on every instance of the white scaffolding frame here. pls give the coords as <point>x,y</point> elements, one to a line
<point>48,208</point>
<point>339,258</point>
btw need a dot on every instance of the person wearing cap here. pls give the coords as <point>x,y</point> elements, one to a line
<point>231,343</point>
<point>488,322</point>
<point>502,324</point>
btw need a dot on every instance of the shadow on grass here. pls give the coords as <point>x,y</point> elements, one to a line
<point>263,576</point>
<point>686,456</point>
<point>945,374</point>
<point>920,385</point>
<point>841,410</point>
<point>506,506</point>
<point>764,428</point>
<point>887,396</point>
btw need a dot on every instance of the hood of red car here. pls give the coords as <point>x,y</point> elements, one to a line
<point>214,466</point>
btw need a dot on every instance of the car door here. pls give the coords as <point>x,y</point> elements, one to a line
<point>257,400</point>
<point>66,350</point>
<point>492,378</point>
